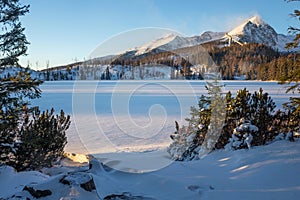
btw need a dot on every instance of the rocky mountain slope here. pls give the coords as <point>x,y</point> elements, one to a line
<point>252,30</point>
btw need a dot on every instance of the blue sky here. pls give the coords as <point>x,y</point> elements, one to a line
<point>62,31</point>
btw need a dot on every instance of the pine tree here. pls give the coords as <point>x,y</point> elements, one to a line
<point>43,139</point>
<point>294,30</point>
<point>16,92</point>
<point>293,76</point>
<point>262,108</point>
<point>244,120</point>
<point>28,139</point>
<point>217,118</point>
<point>13,42</point>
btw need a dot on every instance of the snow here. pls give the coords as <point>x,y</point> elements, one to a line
<point>239,30</point>
<point>282,41</point>
<point>248,140</point>
<point>12,182</point>
<point>155,44</point>
<point>137,163</point>
<point>171,42</point>
<point>92,126</point>
<point>265,172</point>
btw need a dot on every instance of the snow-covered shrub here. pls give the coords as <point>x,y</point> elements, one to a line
<point>242,135</point>
<point>184,143</point>
<point>204,127</point>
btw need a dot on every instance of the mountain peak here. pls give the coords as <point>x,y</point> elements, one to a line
<point>256,19</point>
<point>255,30</point>
<point>169,35</point>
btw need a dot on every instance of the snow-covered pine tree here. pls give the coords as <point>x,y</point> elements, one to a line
<point>217,118</point>
<point>221,120</point>
<point>237,108</point>
<point>204,126</point>
<point>230,121</point>
<point>184,143</point>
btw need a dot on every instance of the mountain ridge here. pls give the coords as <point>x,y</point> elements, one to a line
<point>252,30</point>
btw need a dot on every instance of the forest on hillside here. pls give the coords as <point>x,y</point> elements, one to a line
<point>253,61</point>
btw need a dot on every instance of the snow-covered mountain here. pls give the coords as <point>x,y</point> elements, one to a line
<point>172,41</point>
<point>252,30</point>
<point>168,42</point>
<point>255,30</point>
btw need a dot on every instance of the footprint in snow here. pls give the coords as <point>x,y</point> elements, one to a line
<point>195,188</point>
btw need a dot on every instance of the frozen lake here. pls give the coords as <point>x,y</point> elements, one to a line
<point>114,116</point>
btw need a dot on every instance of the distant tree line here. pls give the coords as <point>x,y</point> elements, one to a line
<point>253,61</point>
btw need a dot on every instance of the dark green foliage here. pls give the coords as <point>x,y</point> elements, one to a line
<point>28,139</point>
<point>262,108</point>
<point>13,41</point>
<point>258,108</point>
<point>241,106</point>
<point>292,77</point>
<point>293,110</point>
<point>42,140</point>
<point>255,110</point>
<point>14,101</point>
<point>294,30</point>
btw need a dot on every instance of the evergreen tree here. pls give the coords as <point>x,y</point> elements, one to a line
<point>294,76</point>
<point>13,42</point>
<point>43,139</point>
<point>261,110</point>
<point>28,139</point>
<point>14,102</point>
<point>294,30</point>
<point>244,120</point>
<point>217,118</point>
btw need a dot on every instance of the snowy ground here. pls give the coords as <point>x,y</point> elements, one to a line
<point>266,172</point>
<point>126,125</point>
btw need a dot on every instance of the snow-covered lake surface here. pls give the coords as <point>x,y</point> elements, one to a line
<point>110,116</point>
<point>127,124</point>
